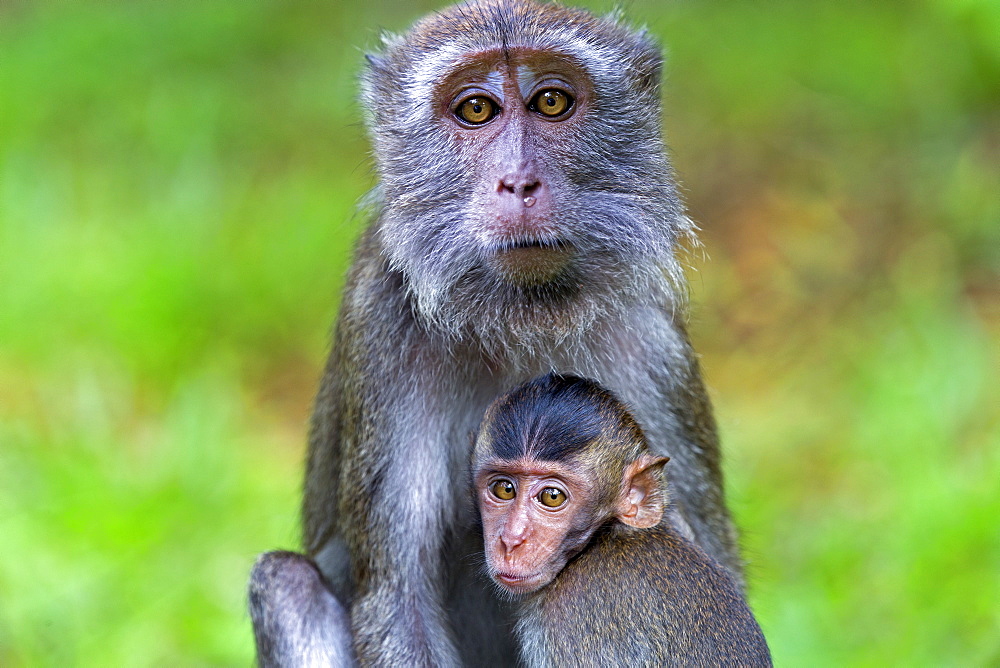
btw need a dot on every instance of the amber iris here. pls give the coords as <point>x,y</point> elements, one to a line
<point>503,490</point>
<point>476,110</point>
<point>552,497</point>
<point>551,102</point>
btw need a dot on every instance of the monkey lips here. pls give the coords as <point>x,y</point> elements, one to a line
<point>531,263</point>
<point>521,584</point>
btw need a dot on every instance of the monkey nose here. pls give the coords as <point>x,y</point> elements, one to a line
<point>511,540</point>
<point>524,187</point>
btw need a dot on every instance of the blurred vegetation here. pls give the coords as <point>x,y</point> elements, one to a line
<point>177,187</point>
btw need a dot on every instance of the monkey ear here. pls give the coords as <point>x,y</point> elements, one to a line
<point>641,504</point>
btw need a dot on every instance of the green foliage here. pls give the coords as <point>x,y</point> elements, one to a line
<point>177,187</point>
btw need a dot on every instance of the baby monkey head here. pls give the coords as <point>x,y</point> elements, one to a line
<point>556,459</point>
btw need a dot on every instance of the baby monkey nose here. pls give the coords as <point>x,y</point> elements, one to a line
<point>512,537</point>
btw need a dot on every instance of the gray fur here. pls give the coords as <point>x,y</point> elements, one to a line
<point>427,336</point>
<point>297,621</point>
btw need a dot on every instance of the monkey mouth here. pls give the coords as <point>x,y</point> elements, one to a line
<point>531,262</point>
<point>519,584</point>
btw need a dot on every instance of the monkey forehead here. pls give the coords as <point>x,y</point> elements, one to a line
<point>440,43</point>
<point>526,65</point>
<point>523,66</point>
<point>530,467</point>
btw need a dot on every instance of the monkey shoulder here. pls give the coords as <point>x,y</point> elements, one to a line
<point>375,302</point>
<point>666,597</point>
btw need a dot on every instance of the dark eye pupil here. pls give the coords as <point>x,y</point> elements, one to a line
<point>478,108</point>
<point>551,101</point>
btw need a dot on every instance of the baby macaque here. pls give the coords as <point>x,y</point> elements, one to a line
<point>572,506</point>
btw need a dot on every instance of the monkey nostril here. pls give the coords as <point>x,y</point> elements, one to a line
<point>520,187</point>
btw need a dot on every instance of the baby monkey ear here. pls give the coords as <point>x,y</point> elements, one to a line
<point>641,502</point>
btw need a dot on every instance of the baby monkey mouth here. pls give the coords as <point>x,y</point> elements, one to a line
<point>531,262</point>
<point>516,583</point>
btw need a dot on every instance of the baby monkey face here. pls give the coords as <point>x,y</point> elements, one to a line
<point>536,516</point>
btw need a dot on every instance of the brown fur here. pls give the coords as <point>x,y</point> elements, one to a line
<point>641,598</point>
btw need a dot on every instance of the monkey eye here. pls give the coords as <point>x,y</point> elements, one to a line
<point>503,490</point>
<point>552,497</point>
<point>476,110</point>
<point>551,102</point>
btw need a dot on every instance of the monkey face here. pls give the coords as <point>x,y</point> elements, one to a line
<point>524,185</point>
<point>536,516</point>
<point>529,103</point>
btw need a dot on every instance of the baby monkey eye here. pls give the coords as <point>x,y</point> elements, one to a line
<point>476,110</point>
<point>552,497</point>
<point>551,102</point>
<point>503,490</point>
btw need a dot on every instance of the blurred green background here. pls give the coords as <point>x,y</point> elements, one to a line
<point>177,190</point>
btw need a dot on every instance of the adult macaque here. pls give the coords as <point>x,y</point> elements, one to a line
<point>572,504</point>
<point>526,220</point>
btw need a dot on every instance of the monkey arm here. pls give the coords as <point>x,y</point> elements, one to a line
<point>378,499</point>
<point>692,439</point>
<point>400,510</point>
